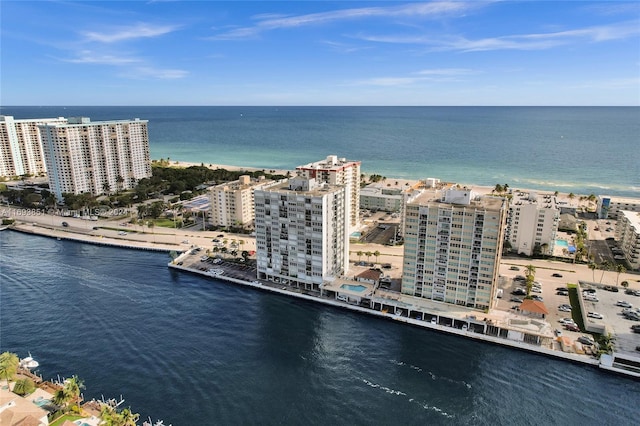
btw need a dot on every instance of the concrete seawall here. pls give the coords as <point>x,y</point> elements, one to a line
<point>392,317</point>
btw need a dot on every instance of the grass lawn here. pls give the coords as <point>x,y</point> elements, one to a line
<point>70,417</point>
<point>166,223</point>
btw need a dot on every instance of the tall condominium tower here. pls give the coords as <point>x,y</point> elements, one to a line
<point>95,157</point>
<point>302,233</point>
<point>338,171</point>
<point>453,246</point>
<point>20,146</point>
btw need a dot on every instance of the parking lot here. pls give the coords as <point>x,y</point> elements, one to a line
<point>605,305</point>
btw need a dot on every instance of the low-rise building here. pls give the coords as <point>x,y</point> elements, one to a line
<point>628,237</point>
<point>232,203</point>
<point>609,207</point>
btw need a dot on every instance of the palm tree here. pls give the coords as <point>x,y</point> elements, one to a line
<point>60,398</point>
<point>8,365</point>
<point>24,386</point>
<point>530,270</point>
<point>72,388</point>
<point>593,268</point>
<point>620,269</point>
<point>368,254</point>
<point>359,253</point>
<point>128,418</point>
<point>376,254</point>
<point>604,266</point>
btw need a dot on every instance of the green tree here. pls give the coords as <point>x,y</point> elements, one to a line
<point>368,254</point>
<point>376,254</point>
<point>625,284</point>
<point>8,366</point>
<point>359,253</point>
<point>72,388</point>
<point>60,398</point>
<point>24,386</point>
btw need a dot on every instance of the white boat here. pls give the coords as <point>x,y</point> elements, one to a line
<point>29,362</point>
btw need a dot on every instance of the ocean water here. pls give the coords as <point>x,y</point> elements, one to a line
<point>195,351</point>
<point>584,150</point>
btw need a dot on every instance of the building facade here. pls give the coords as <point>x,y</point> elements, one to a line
<point>82,156</point>
<point>232,203</point>
<point>338,171</point>
<point>21,146</point>
<point>628,237</point>
<point>302,236</point>
<point>609,207</point>
<point>532,223</point>
<point>453,246</point>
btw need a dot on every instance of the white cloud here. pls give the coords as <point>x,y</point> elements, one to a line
<point>141,73</point>
<point>536,41</point>
<point>428,75</point>
<point>272,22</point>
<point>140,30</point>
<point>88,57</point>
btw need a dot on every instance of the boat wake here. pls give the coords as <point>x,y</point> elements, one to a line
<point>422,404</point>
<point>432,375</point>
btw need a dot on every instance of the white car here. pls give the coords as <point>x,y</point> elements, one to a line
<point>256,282</point>
<point>591,298</point>
<point>595,315</point>
<point>565,321</point>
<point>564,309</point>
<point>624,304</point>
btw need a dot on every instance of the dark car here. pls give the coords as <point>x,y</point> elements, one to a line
<point>562,289</point>
<point>585,340</point>
<point>611,288</point>
<point>519,292</point>
<point>572,327</point>
<point>589,290</point>
<point>628,291</point>
<point>562,292</point>
<point>220,235</point>
<point>65,224</point>
<point>556,275</point>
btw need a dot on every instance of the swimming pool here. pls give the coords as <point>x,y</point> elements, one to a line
<point>358,288</point>
<point>356,234</point>
<point>562,243</point>
<point>41,402</point>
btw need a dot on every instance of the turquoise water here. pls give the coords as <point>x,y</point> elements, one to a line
<point>41,402</point>
<point>545,148</point>
<point>356,234</point>
<point>358,288</point>
<point>562,243</point>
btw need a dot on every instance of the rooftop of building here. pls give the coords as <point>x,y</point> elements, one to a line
<point>633,218</point>
<point>86,121</point>
<point>459,196</point>
<point>302,185</point>
<point>243,182</point>
<point>530,197</point>
<point>332,162</point>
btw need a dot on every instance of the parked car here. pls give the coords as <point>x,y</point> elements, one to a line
<point>562,293</point>
<point>611,288</point>
<point>565,321</point>
<point>537,298</point>
<point>627,291</point>
<point>519,292</point>
<point>65,224</point>
<point>574,327</point>
<point>595,315</point>
<point>562,289</point>
<point>589,290</point>
<point>514,268</point>
<point>515,300</point>
<point>557,332</point>
<point>556,275</point>
<point>564,308</point>
<point>624,304</point>
<point>585,340</point>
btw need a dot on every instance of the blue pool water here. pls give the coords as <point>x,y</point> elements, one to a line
<point>356,234</point>
<point>562,243</point>
<point>353,287</point>
<point>41,402</point>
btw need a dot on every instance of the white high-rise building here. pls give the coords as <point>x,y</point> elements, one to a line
<point>302,232</point>
<point>232,202</point>
<point>532,223</point>
<point>21,147</point>
<point>338,171</point>
<point>95,157</point>
<point>453,245</point>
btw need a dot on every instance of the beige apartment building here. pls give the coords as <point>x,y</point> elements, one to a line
<point>338,171</point>
<point>532,223</point>
<point>21,146</point>
<point>99,157</point>
<point>302,232</point>
<point>232,203</point>
<point>453,246</point>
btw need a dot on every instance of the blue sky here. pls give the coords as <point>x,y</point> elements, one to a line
<point>319,53</point>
